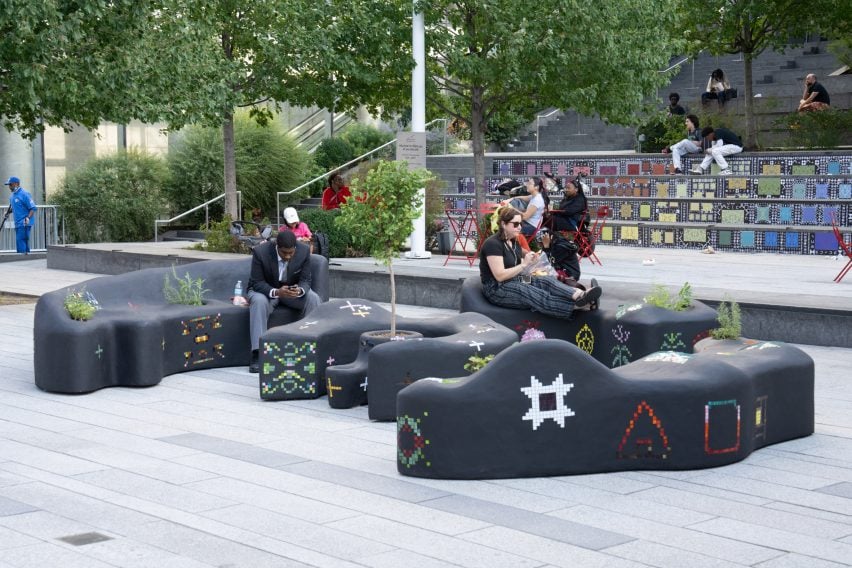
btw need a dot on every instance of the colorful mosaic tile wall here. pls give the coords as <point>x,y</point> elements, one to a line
<point>773,202</point>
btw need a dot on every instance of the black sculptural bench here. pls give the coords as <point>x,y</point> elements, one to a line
<point>546,408</point>
<point>136,338</point>
<point>613,337</point>
<point>302,359</point>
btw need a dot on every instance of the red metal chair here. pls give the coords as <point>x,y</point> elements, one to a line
<point>847,250</point>
<point>586,241</point>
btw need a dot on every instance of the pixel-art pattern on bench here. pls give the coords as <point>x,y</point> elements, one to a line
<point>136,338</point>
<point>613,337</point>
<point>546,408</point>
<point>295,358</point>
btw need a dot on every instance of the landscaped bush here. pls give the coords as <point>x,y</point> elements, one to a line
<point>339,239</point>
<point>364,138</point>
<point>267,161</point>
<point>113,199</point>
<point>333,152</point>
<point>823,129</point>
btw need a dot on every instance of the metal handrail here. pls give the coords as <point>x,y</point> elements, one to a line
<point>46,230</point>
<point>206,206</point>
<point>347,164</point>
<point>538,124</point>
<point>684,60</point>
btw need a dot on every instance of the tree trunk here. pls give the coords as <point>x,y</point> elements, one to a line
<point>231,207</point>
<point>477,137</point>
<point>750,134</point>
<point>393,299</point>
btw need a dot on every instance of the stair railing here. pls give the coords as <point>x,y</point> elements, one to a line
<point>351,162</point>
<point>206,206</point>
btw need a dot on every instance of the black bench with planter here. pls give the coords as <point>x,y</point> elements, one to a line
<point>613,337</point>
<point>136,337</point>
<point>547,408</point>
<point>328,353</point>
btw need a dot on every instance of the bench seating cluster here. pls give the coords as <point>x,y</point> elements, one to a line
<point>136,338</point>
<point>547,408</point>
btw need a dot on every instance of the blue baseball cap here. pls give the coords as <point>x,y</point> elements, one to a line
<point>12,180</point>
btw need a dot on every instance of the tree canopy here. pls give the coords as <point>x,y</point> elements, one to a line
<point>508,56</point>
<point>751,26</point>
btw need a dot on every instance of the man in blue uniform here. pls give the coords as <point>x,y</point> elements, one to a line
<point>23,209</point>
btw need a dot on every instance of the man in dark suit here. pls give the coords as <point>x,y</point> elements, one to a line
<point>280,274</point>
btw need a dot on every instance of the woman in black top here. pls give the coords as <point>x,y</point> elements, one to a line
<point>570,212</point>
<point>501,264</point>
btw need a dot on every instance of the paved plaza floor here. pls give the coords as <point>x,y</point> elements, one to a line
<point>198,472</point>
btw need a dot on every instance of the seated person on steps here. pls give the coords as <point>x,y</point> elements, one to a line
<point>292,223</point>
<point>674,107</point>
<point>689,145</point>
<point>280,275</point>
<point>501,267</point>
<point>722,142</point>
<point>336,193</point>
<point>531,206</point>
<point>815,96</point>
<point>717,88</point>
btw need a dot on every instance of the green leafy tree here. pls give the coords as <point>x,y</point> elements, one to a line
<point>506,56</point>
<point>267,159</point>
<point>381,214</point>
<point>333,152</point>
<point>363,137</point>
<point>114,198</point>
<point>751,26</point>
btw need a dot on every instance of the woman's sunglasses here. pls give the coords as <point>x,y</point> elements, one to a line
<point>515,224</point>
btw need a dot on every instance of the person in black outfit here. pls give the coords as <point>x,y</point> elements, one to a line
<point>571,210</point>
<point>674,105</point>
<point>815,96</point>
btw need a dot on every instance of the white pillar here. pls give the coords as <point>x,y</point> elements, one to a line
<point>418,124</point>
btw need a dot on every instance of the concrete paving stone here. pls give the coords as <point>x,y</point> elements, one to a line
<point>381,485</point>
<point>579,494</point>
<point>207,548</point>
<point>786,541</point>
<point>53,441</point>
<point>779,492</point>
<point>296,506</point>
<point>149,467</point>
<point>301,555</point>
<point>655,554</point>
<point>14,539</point>
<point>131,443</point>
<point>777,477</point>
<point>693,487</point>
<point>72,505</point>
<point>47,526</point>
<point>434,545</point>
<point>611,482</point>
<point>48,554</point>
<point>397,558</point>
<point>804,467</point>
<point>336,450</point>
<point>37,419</point>
<point>141,487</point>
<point>688,539</point>
<point>843,489</point>
<point>8,479</point>
<point>807,513</point>
<point>129,553</point>
<point>396,510</point>
<point>526,521</point>
<point>497,493</point>
<point>235,450</point>
<point>252,473</point>
<point>545,550</point>
<point>798,561</point>
<point>47,460</point>
<point>326,539</point>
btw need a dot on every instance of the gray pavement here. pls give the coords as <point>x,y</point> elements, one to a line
<point>197,471</point>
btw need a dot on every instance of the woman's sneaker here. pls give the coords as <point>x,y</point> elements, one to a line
<point>725,172</point>
<point>697,170</point>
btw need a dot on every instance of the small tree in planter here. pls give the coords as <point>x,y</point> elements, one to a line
<point>382,214</point>
<point>730,320</point>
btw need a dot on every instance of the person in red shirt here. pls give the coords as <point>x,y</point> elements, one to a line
<point>336,193</point>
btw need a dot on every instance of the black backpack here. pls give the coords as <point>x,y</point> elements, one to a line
<point>321,244</point>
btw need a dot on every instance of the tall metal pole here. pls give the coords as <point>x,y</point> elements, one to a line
<point>418,124</point>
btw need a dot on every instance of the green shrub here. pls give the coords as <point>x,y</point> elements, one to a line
<point>267,161</point>
<point>661,131</point>
<point>78,307</point>
<point>730,320</point>
<point>114,198</point>
<point>660,297</point>
<point>823,129</point>
<point>363,138</point>
<point>319,221</point>
<point>218,238</point>
<point>333,152</point>
<point>475,363</point>
<point>190,291</point>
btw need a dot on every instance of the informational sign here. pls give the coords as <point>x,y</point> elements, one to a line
<point>411,147</point>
